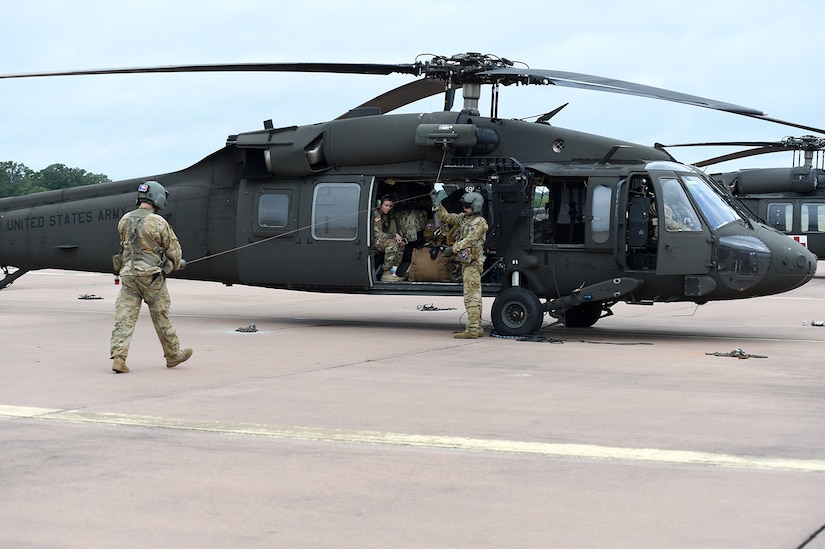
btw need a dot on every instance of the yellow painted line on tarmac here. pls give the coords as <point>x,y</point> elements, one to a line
<point>26,411</point>
<point>559,450</point>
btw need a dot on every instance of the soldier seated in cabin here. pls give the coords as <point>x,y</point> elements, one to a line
<point>388,239</point>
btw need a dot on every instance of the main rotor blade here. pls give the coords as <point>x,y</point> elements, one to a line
<point>740,154</point>
<point>600,83</point>
<point>345,68</point>
<point>457,70</point>
<point>722,144</point>
<point>404,95</point>
<point>784,123</point>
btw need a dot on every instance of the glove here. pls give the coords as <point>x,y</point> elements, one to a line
<point>434,197</point>
<point>182,264</point>
<point>448,251</point>
<point>167,267</point>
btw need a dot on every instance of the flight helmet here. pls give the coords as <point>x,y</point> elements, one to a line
<point>474,201</point>
<point>152,192</point>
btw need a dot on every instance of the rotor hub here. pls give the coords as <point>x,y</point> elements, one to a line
<point>463,68</point>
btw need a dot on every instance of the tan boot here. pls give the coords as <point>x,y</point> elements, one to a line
<point>119,365</point>
<point>466,335</point>
<point>474,322</point>
<point>182,356</point>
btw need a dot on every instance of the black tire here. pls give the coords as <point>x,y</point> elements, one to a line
<point>517,312</point>
<point>582,316</point>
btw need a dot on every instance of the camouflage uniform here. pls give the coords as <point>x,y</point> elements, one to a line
<point>383,233</point>
<point>410,223</point>
<point>469,251</point>
<point>150,251</point>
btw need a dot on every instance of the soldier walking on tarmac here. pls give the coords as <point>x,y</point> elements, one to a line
<point>469,252</point>
<point>149,251</point>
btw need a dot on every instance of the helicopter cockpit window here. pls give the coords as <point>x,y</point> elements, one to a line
<point>715,209</point>
<point>813,218</point>
<point>679,213</point>
<point>335,211</point>
<point>273,211</point>
<point>780,215</point>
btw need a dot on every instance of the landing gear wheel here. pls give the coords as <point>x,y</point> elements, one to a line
<point>517,312</point>
<point>582,316</point>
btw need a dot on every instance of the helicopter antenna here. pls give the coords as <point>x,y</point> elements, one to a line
<point>544,118</point>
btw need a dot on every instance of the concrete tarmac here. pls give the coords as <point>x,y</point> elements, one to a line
<point>358,421</point>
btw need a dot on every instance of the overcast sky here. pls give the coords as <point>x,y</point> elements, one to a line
<point>760,54</point>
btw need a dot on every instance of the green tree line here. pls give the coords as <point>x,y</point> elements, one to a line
<point>17,179</point>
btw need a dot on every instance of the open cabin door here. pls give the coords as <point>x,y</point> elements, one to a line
<point>305,234</point>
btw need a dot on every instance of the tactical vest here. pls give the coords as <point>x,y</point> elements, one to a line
<point>140,252</point>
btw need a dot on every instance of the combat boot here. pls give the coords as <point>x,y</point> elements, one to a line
<point>119,365</point>
<point>472,334</point>
<point>473,323</point>
<point>182,356</point>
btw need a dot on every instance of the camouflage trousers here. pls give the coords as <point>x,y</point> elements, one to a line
<point>471,275</point>
<point>135,290</point>
<point>393,253</point>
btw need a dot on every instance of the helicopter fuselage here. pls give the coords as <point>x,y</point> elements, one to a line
<point>578,222</point>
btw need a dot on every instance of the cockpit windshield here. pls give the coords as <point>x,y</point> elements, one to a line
<point>716,210</point>
<point>679,213</point>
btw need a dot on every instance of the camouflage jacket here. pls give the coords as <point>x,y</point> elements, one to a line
<point>472,233</point>
<point>149,244</point>
<point>384,226</point>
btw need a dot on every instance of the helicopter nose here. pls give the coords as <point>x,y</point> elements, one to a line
<point>799,259</point>
<point>794,259</point>
<point>766,263</point>
<point>807,259</point>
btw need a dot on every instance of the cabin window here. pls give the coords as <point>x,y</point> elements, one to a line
<point>813,218</point>
<point>780,216</point>
<point>335,211</point>
<point>569,197</point>
<point>558,212</point>
<point>600,222</point>
<point>543,225</point>
<point>273,211</point>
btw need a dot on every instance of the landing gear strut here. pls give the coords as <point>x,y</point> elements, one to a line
<point>10,277</point>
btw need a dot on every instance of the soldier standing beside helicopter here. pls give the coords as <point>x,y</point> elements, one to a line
<point>469,251</point>
<point>150,251</point>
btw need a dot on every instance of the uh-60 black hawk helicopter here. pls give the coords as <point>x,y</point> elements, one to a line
<point>789,199</point>
<point>578,222</point>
